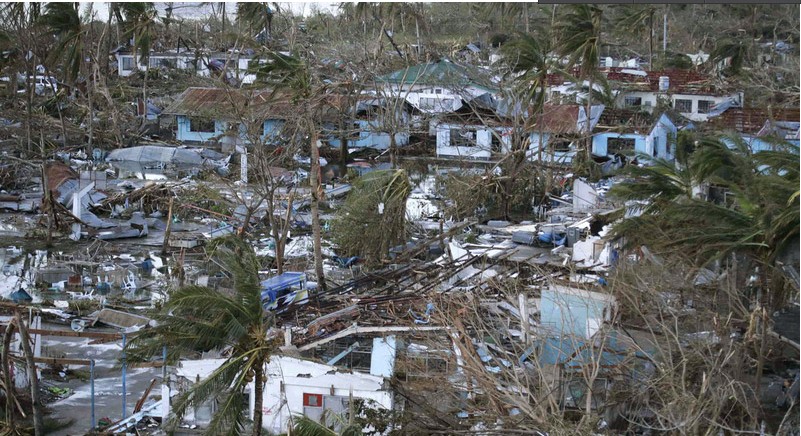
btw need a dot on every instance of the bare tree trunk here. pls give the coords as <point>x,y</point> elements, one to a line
<point>48,201</point>
<point>316,193</point>
<point>38,423</point>
<point>166,244</point>
<point>588,140</point>
<point>258,381</point>
<point>393,151</point>
<point>526,17</point>
<point>651,42</point>
<point>7,381</point>
<point>144,93</point>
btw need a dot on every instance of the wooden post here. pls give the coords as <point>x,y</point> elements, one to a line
<point>38,421</point>
<point>49,205</point>
<point>165,245</point>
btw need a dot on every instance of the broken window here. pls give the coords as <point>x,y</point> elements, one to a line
<point>633,101</point>
<point>463,138</point>
<point>163,62</point>
<point>205,125</point>
<point>496,142</point>
<point>619,145</point>
<point>561,145</point>
<point>705,106</point>
<point>127,63</point>
<point>682,105</point>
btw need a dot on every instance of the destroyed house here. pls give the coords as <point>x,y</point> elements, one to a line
<point>293,386</point>
<point>760,128</point>
<point>236,65</point>
<point>694,95</point>
<point>368,123</point>
<point>212,114</point>
<point>627,132</point>
<point>472,133</point>
<point>437,87</point>
<point>558,131</point>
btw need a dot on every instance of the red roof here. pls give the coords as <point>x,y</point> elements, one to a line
<point>558,119</point>
<point>680,81</point>
<point>751,120</point>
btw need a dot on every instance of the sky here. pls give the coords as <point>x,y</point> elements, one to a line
<point>194,10</point>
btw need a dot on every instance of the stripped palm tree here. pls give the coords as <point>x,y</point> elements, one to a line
<point>257,15</point>
<point>197,319</point>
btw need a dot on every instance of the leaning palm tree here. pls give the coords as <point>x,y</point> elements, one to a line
<point>578,36</point>
<point>64,21</point>
<point>294,76</point>
<point>257,16</point>
<point>757,222</point>
<point>197,319</point>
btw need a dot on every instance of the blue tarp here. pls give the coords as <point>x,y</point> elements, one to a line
<point>20,296</point>
<point>272,287</point>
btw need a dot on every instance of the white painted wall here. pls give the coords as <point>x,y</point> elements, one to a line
<point>288,378</point>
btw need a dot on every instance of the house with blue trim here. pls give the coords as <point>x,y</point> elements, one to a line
<point>205,115</point>
<point>559,130</point>
<point>631,133</point>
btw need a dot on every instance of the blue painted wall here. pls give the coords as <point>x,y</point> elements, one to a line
<point>369,136</point>
<point>567,314</point>
<point>184,132</point>
<point>272,131</point>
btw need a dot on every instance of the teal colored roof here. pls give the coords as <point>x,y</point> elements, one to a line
<point>438,73</point>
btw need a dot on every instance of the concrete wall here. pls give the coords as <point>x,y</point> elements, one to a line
<point>481,136</point>
<point>184,130</point>
<point>560,157</point>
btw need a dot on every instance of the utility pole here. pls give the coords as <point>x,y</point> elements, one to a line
<point>664,32</point>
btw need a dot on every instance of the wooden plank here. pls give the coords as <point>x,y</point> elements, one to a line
<point>61,361</point>
<point>154,364</point>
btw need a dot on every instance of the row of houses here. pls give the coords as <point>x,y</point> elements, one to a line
<point>468,115</point>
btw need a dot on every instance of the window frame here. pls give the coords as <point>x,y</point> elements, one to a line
<point>683,102</point>
<point>709,103</point>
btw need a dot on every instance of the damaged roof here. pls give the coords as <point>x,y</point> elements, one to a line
<point>226,104</point>
<point>752,120</point>
<point>679,81</point>
<point>441,73</point>
<point>566,118</point>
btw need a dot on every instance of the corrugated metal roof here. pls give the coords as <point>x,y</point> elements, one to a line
<point>566,118</point>
<point>680,81</point>
<point>442,73</point>
<point>222,103</point>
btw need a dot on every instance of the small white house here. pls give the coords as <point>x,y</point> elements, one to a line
<point>294,386</point>
<point>471,138</point>
<point>557,134</point>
